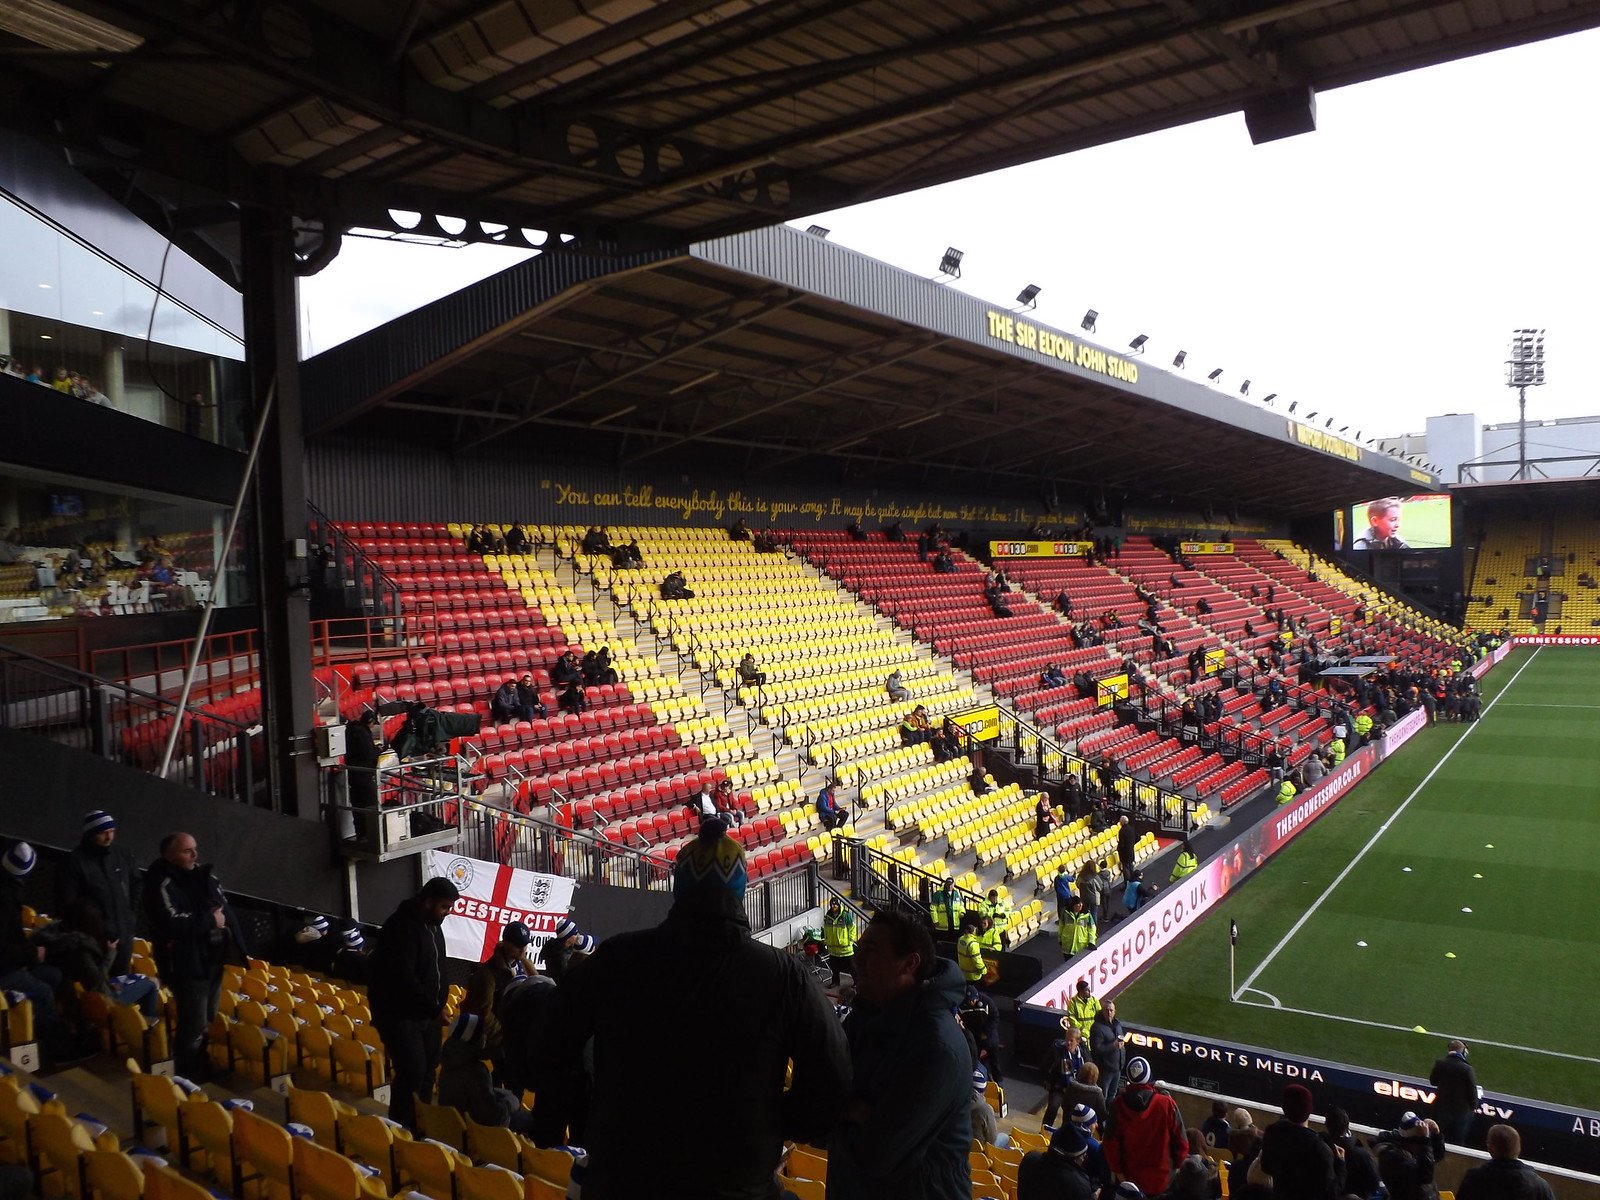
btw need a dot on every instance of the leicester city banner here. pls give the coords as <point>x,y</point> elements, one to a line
<point>492,896</point>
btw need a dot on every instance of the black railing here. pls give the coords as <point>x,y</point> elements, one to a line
<point>1124,794</point>
<point>364,585</point>
<point>881,881</point>
<point>124,724</point>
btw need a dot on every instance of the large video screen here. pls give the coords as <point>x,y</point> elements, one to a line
<point>1394,523</point>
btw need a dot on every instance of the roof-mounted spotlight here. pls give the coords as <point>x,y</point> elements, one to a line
<point>1269,398</point>
<point>1028,297</point>
<point>1215,375</point>
<point>950,264</point>
<point>1292,403</point>
<point>1180,358</point>
<point>1137,345</point>
<point>1244,388</point>
<point>820,231</point>
<point>1089,318</point>
<point>1310,416</point>
<point>1328,424</point>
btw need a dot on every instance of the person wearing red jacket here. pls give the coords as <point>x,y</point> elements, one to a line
<point>1147,1140</point>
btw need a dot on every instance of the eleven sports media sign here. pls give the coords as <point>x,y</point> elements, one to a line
<point>492,896</point>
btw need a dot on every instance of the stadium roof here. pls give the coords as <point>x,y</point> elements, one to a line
<point>662,122</point>
<point>775,348</point>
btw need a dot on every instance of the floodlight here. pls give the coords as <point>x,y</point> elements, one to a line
<point>1292,403</point>
<point>1310,416</point>
<point>1029,296</point>
<point>1269,398</point>
<point>1089,318</point>
<point>950,264</point>
<point>1179,358</point>
<point>1328,424</point>
<point>1244,388</point>
<point>1137,345</point>
<point>1215,375</point>
<point>820,231</point>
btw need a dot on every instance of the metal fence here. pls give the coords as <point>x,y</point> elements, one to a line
<point>125,724</point>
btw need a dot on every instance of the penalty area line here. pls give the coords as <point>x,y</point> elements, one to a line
<point>1438,1033</point>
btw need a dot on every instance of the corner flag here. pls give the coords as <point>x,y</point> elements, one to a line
<point>1233,933</point>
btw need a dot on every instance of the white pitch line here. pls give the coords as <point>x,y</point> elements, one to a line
<point>1276,1003</point>
<point>1533,704</point>
<point>1435,1033</point>
<point>1381,830</point>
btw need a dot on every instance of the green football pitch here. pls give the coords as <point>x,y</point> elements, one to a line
<point>1456,890</point>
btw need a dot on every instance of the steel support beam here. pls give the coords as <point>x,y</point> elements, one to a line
<point>272,361</point>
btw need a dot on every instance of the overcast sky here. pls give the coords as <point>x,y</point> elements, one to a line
<point>1372,270</point>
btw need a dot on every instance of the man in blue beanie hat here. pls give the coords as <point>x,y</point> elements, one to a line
<point>695,1022</point>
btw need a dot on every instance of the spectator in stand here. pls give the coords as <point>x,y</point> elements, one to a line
<point>192,930</point>
<point>1136,892</point>
<point>1094,887</point>
<point>1064,892</point>
<point>97,882</point>
<point>1302,1165</point>
<point>896,687</point>
<point>1457,1093</point>
<point>1063,603</point>
<point>768,1014</point>
<point>508,961</point>
<point>739,531</point>
<point>1108,1047</point>
<point>568,669</point>
<point>516,538</point>
<point>1053,677</point>
<point>573,700</point>
<point>627,558</point>
<point>830,812</point>
<point>503,707</point>
<point>1147,1139</point>
<point>1044,820</point>
<point>596,540</point>
<point>22,966</point>
<point>915,729</point>
<point>1214,1129</point>
<point>1505,1176</point>
<point>1360,1168</point>
<point>408,988</point>
<point>750,675</point>
<point>705,801</point>
<point>980,1017</point>
<point>1060,1070</point>
<point>465,1082</point>
<point>908,1126</point>
<point>597,668</point>
<point>728,803</point>
<point>1061,1172</point>
<point>529,704</point>
<point>944,563</point>
<point>985,1124</point>
<point>675,587</point>
<point>1407,1157</point>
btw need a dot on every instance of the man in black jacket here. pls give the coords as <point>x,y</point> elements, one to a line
<point>1505,1176</point>
<point>1457,1094</point>
<point>95,889</point>
<point>191,929</point>
<point>1108,1048</point>
<point>693,1025</point>
<point>407,988</point>
<point>1302,1165</point>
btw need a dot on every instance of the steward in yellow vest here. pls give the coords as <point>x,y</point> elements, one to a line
<point>839,933</point>
<point>969,950</point>
<point>1286,792</point>
<point>947,908</point>
<point>1187,863</point>
<point>1081,1009</point>
<point>996,937</point>
<point>1078,931</point>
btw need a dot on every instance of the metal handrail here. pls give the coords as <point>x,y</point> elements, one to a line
<point>75,677</point>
